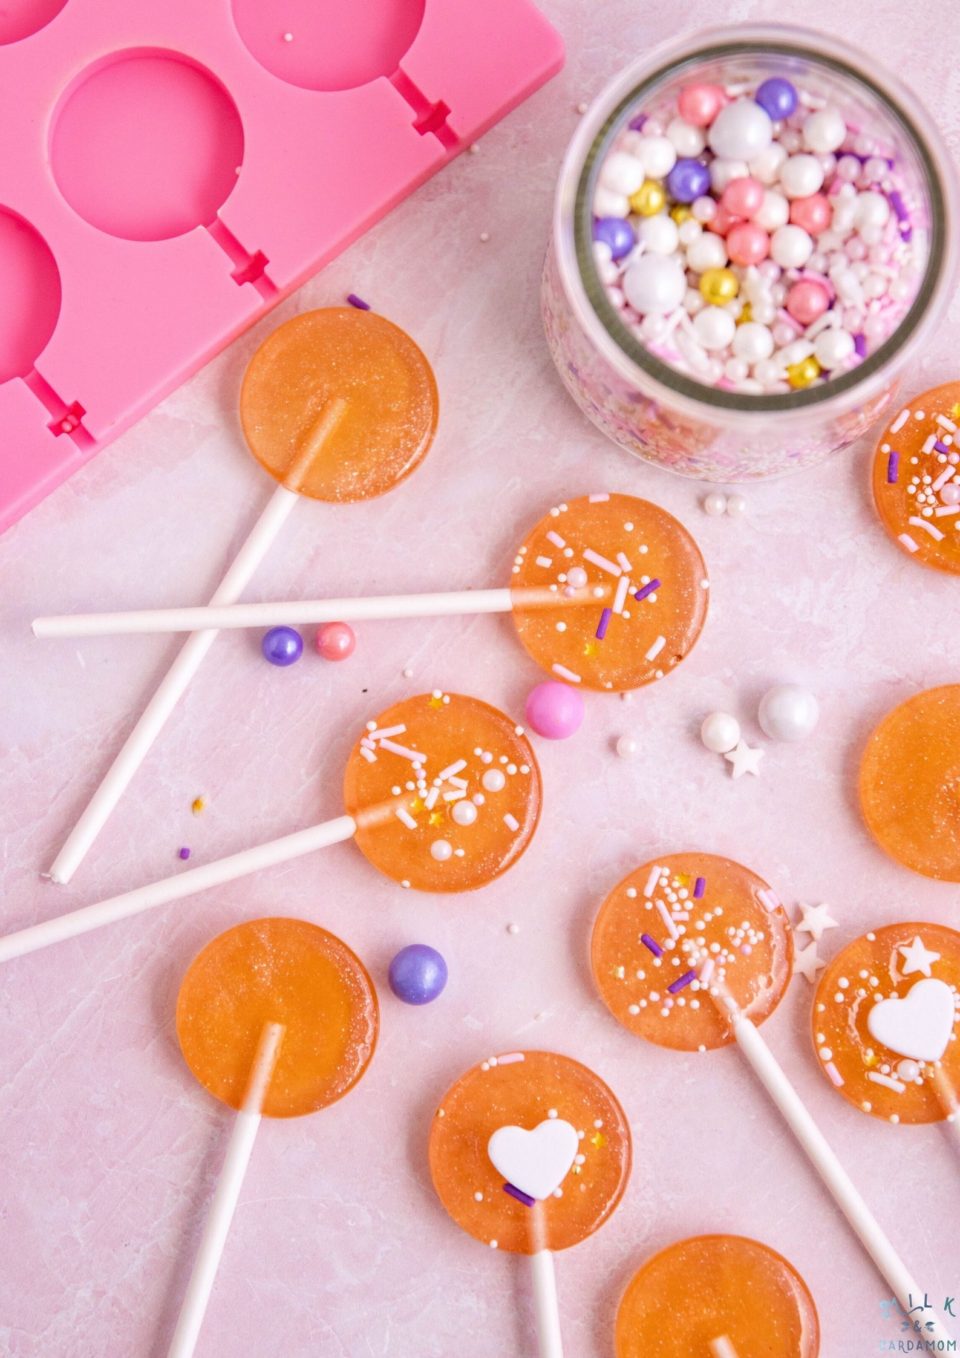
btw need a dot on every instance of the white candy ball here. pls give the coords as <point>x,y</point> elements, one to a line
<point>693,301</point>
<point>768,371</point>
<point>791,247</point>
<point>788,712</point>
<point>689,231</point>
<point>441,850</point>
<point>686,140</point>
<point>659,234</point>
<point>833,347</point>
<point>774,211</point>
<point>606,203</point>
<point>464,812</point>
<point>752,342</point>
<point>736,506</point>
<point>622,173</point>
<point>871,209</point>
<point>736,370</point>
<point>824,131</point>
<point>740,131</point>
<point>714,327</point>
<point>722,171</point>
<point>709,252</point>
<point>658,156</point>
<point>627,747</point>
<point>720,732</point>
<point>766,166</point>
<point>763,311</point>
<point>654,283</point>
<point>715,504</point>
<point>704,209</point>
<point>653,328</point>
<point>801,176</point>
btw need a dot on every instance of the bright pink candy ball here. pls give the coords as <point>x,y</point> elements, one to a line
<point>743,197</point>
<point>700,104</point>
<point>812,213</point>
<point>554,710</point>
<point>806,301</point>
<point>336,641</point>
<point>747,243</point>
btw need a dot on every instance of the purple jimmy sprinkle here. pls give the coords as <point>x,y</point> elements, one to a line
<point>358,302</point>
<point>519,1194</point>
<point>184,853</point>
<point>899,206</point>
<point>860,344</point>
<point>906,233</point>
<point>644,590</point>
<point>893,464</point>
<point>604,623</point>
<point>699,887</point>
<point>682,981</point>
<point>636,124</point>
<point>652,944</point>
<point>941,447</point>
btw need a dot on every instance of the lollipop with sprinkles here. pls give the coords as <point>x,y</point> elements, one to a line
<point>530,1152</point>
<point>608,591</point>
<point>336,405</point>
<point>717,1296</point>
<point>916,478</point>
<point>276,1018</point>
<point>910,783</point>
<point>885,1019</point>
<point>693,952</point>
<point>442,793</point>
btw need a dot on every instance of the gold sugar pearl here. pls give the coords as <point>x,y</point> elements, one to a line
<point>680,213</point>
<point>802,374</point>
<point>718,286</point>
<point>649,199</point>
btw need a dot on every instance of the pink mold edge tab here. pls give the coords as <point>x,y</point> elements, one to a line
<point>131,251</point>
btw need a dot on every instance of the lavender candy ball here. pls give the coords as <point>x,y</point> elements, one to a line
<point>689,179</point>
<point>554,710</point>
<point>615,232</point>
<point>777,97</point>
<point>282,645</point>
<point>418,974</point>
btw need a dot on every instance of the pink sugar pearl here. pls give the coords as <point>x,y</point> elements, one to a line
<point>806,301</point>
<point>722,221</point>
<point>812,213</point>
<point>700,104</point>
<point>336,641</point>
<point>554,710</point>
<point>743,197</point>
<point>747,243</point>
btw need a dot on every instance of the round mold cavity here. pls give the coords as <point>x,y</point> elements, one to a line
<point>146,145</point>
<point>30,288</point>
<point>328,44</point>
<point>20,19</point>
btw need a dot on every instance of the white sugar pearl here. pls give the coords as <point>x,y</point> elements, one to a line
<point>622,173</point>
<point>658,156</point>
<point>795,352</point>
<point>872,209</point>
<point>766,166</point>
<point>693,301</point>
<point>494,780</point>
<point>788,712</point>
<point>602,252</point>
<point>843,216</point>
<point>653,329</point>
<point>774,211</point>
<point>689,231</point>
<point>824,131</point>
<point>768,371</point>
<point>791,247</point>
<point>577,577</point>
<point>763,311</point>
<point>441,850</point>
<point>464,812</point>
<point>704,209</point>
<point>714,327</point>
<point>686,139</point>
<point>752,342</point>
<point>740,131</point>
<point>874,286</point>
<point>654,283</point>
<point>715,504</point>
<point>875,169</point>
<point>627,747</point>
<point>720,732</point>
<point>659,234</point>
<point>606,203</point>
<point>709,252</point>
<point>736,506</point>
<point>722,171</point>
<point>833,347</point>
<point>801,176</point>
<point>736,370</point>
<point>908,1070</point>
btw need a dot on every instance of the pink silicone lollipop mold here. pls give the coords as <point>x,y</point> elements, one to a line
<point>20,18</point>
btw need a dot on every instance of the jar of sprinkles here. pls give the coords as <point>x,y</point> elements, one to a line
<point>753,231</point>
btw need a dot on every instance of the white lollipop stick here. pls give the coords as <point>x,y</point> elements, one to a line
<point>187,883</point>
<point>545,1304</point>
<point>174,683</point>
<point>227,1194</point>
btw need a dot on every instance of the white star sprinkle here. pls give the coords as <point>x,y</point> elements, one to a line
<point>815,920</point>
<point>807,963</point>
<point>743,759</point>
<point>916,957</point>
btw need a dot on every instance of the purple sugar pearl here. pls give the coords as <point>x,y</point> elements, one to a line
<point>418,974</point>
<point>689,179</point>
<point>282,645</point>
<point>615,232</point>
<point>777,97</point>
<point>554,710</point>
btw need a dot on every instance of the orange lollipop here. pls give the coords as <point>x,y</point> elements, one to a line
<point>885,1020</point>
<point>530,1152</point>
<point>916,478</point>
<point>910,783</point>
<point>717,1296</point>
<point>276,1018</point>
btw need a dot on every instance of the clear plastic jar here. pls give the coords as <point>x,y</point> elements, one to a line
<point>665,416</point>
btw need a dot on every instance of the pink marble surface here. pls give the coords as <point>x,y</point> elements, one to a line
<point>108,1150</point>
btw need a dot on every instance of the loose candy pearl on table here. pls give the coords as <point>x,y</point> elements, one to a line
<point>824,131</point>
<point>747,243</point>
<point>720,732</point>
<point>336,641</point>
<point>658,156</point>
<point>418,974</point>
<point>740,131</point>
<point>788,712</point>
<point>777,97</point>
<point>812,213</point>
<point>554,711</point>
<point>715,504</point>
<point>736,506</point>
<point>616,233</point>
<point>627,747</point>
<point>686,138</point>
<point>654,283</point>
<point>714,327</point>
<point>649,199</point>
<point>773,212</point>
<point>807,301</point>
<point>791,247</point>
<point>700,104</point>
<point>743,197</point>
<point>660,235</point>
<point>801,176</point>
<point>718,286</point>
<point>688,180</point>
<point>752,342</point>
<point>622,173</point>
<point>282,645</point>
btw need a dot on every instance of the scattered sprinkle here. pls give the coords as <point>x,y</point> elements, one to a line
<point>358,302</point>
<point>197,805</point>
<point>184,853</point>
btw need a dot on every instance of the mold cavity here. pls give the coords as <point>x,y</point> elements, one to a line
<point>146,145</point>
<point>328,44</point>
<point>30,289</point>
<point>20,18</point>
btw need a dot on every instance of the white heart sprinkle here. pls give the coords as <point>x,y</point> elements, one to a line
<point>536,1162</point>
<point>919,1024</point>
